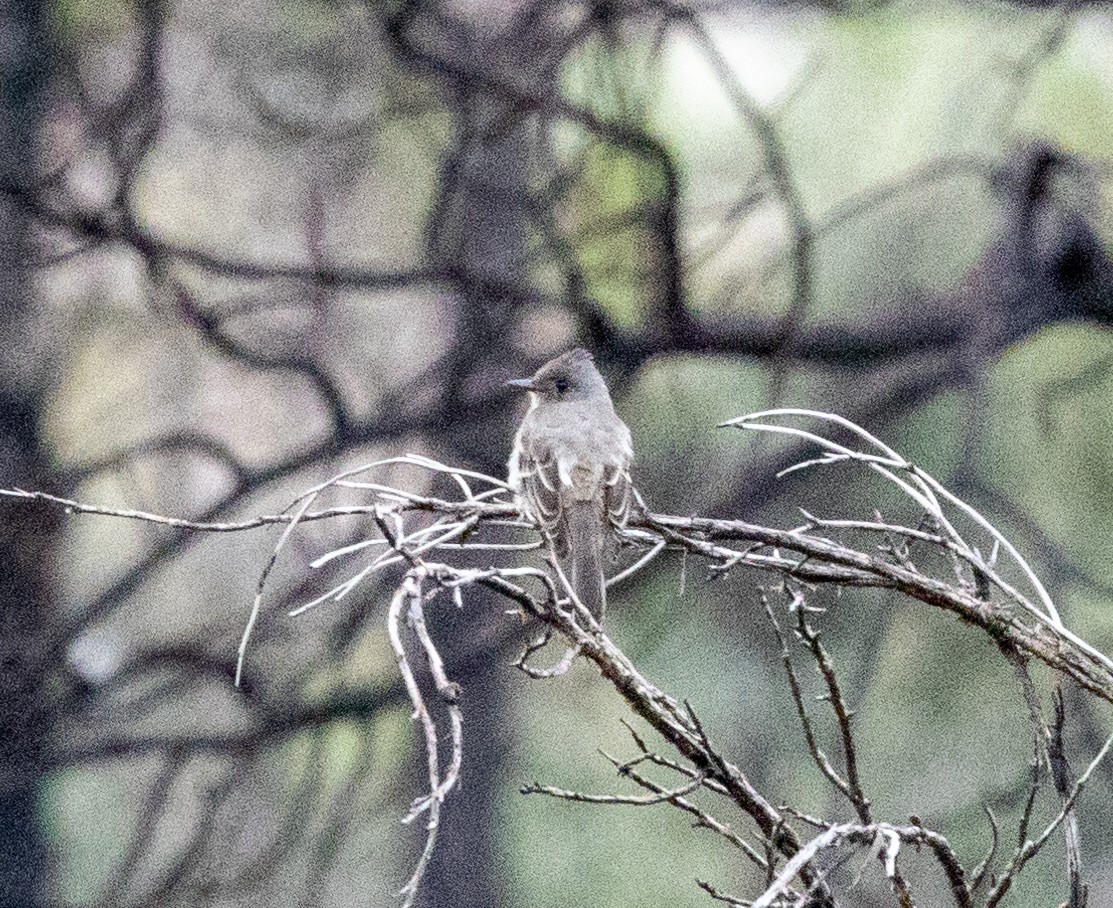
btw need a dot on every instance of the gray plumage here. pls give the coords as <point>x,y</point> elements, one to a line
<point>570,468</point>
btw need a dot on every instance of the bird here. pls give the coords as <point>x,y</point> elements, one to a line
<point>570,469</point>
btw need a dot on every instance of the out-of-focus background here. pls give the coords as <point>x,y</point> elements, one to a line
<point>248,244</point>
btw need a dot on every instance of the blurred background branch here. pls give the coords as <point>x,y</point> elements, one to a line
<point>248,245</point>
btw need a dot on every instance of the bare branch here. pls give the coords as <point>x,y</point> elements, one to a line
<point>795,553</point>
<point>818,756</point>
<point>843,715</point>
<point>890,837</point>
<point>704,820</point>
<point>978,874</point>
<point>553,671</point>
<point>412,528</point>
<point>408,599</point>
<point>1029,848</point>
<point>1060,776</point>
<point>721,896</point>
<point>662,796</point>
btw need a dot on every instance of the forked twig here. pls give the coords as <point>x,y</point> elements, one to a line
<point>1029,848</point>
<point>926,491</point>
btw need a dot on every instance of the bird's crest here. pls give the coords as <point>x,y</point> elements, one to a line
<point>575,356</point>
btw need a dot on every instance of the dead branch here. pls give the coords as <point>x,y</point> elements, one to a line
<point>414,529</point>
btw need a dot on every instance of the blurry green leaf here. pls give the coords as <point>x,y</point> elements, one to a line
<point>87,818</point>
<point>1072,94</point>
<point>92,18</point>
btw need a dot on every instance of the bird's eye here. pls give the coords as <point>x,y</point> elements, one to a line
<point>561,385</point>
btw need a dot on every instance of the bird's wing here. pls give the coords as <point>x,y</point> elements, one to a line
<point>618,494</point>
<point>540,487</point>
<point>619,489</point>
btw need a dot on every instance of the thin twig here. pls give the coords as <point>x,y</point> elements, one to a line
<point>843,715</point>
<point>668,794</point>
<point>721,896</point>
<point>818,756</point>
<point>868,835</point>
<point>978,874</point>
<point>1031,847</point>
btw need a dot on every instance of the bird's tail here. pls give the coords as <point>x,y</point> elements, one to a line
<point>585,543</point>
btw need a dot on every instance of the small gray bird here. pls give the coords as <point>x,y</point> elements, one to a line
<point>570,468</point>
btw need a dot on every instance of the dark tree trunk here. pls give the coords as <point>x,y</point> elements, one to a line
<point>25,538</point>
<point>481,230</point>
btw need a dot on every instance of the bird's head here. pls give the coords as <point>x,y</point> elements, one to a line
<point>570,376</point>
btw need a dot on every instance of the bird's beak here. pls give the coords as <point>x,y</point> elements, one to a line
<point>525,384</point>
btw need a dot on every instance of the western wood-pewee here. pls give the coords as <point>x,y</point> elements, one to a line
<point>570,468</point>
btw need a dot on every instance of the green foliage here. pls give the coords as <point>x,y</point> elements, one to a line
<point>87,816</point>
<point>96,19</point>
<point>1072,95</point>
<point>606,208</point>
<point>307,22</point>
<point>1048,441</point>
